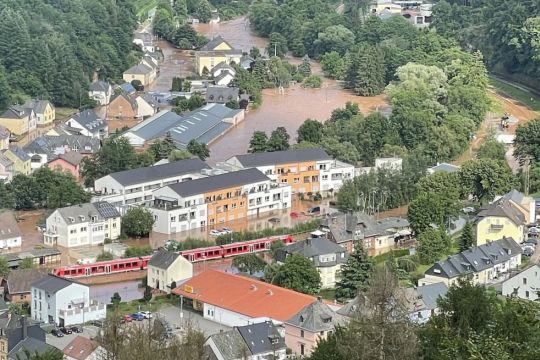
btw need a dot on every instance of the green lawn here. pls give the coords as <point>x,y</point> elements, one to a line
<point>64,113</point>
<point>516,93</point>
<point>137,305</point>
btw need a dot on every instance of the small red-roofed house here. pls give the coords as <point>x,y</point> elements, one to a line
<point>81,348</point>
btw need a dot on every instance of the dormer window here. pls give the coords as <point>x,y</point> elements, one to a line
<point>81,217</point>
<point>301,318</point>
<point>71,219</point>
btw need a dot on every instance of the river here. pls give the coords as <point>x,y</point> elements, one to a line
<point>288,110</point>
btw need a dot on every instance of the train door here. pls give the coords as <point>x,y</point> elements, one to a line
<point>251,249</point>
<point>87,270</point>
<point>108,269</point>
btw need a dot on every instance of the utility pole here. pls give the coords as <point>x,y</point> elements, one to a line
<point>526,174</point>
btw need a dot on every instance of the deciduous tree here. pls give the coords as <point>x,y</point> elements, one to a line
<point>258,142</point>
<point>299,274</point>
<point>356,275</point>
<point>138,221</point>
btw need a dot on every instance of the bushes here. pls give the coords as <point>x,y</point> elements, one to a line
<point>138,251</point>
<point>312,81</point>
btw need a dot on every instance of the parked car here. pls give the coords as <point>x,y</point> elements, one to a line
<point>146,314</point>
<point>126,319</point>
<point>137,316</point>
<point>531,242</point>
<point>527,251</point>
<point>66,330</point>
<point>226,230</point>
<point>215,233</point>
<point>274,220</point>
<point>98,323</point>
<point>57,333</point>
<point>314,210</point>
<point>77,329</point>
<point>468,209</point>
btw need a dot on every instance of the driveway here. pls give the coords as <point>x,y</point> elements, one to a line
<point>60,343</point>
<point>171,315</point>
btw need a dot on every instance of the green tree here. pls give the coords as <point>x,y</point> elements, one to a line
<point>486,178</point>
<point>366,73</point>
<point>249,263</point>
<point>299,274</point>
<point>4,267</point>
<point>116,299</point>
<point>161,149</point>
<point>466,240</point>
<point>274,247</point>
<point>333,65</point>
<point>491,149</point>
<point>176,155</point>
<point>104,256</point>
<point>334,38</point>
<point>305,67</point>
<point>527,141</point>
<point>4,90</point>
<point>444,184</point>
<point>279,140</point>
<point>198,149</point>
<point>277,45</point>
<point>26,263</point>
<point>258,142</point>
<point>136,251</point>
<point>7,200</point>
<point>328,347</point>
<point>138,221</point>
<point>254,52</point>
<point>147,296</point>
<point>432,244</point>
<point>310,130</point>
<point>430,209</point>
<point>312,81</point>
<point>356,275</point>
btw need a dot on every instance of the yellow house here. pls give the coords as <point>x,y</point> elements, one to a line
<point>142,72</point>
<point>45,111</point>
<point>216,51</point>
<point>166,269</point>
<point>497,220</point>
<point>19,120</point>
<point>21,160</point>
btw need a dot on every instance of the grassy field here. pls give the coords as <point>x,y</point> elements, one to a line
<point>516,93</point>
<point>137,305</point>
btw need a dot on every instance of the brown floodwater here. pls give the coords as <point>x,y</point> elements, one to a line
<point>288,110</point>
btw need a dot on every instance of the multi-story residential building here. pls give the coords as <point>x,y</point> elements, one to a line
<point>63,302</point>
<point>18,282</point>
<point>21,160</point>
<point>7,168</point>
<point>311,324</point>
<point>376,236</point>
<point>214,52</point>
<point>10,234</point>
<point>122,107</point>
<point>135,187</point>
<point>19,120</point>
<point>481,264</point>
<point>524,285</point>
<point>262,340</point>
<point>84,224</point>
<point>306,170</point>
<point>101,92</point>
<point>45,111</point>
<point>141,72</point>
<point>524,204</point>
<point>217,199</point>
<point>89,124</point>
<point>166,269</point>
<point>18,333</point>
<point>499,219</point>
<point>327,256</point>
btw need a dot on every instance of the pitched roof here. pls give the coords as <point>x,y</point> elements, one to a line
<point>502,208</point>
<point>38,106</point>
<point>149,99</point>
<point>243,295</point>
<point>81,213</point>
<point>4,132</point>
<point>52,146</point>
<point>15,258</point>
<point>515,196</point>
<point>163,259</point>
<point>282,157</point>
<point>5,161</point>
<point>211,183</point>
<point>131,100</point>
<point>72,157</point>
<point>51,283</point>
<point>90,120</point>
<point>221,94</point>
<point>313,248</point>
<point>16,112</point>
<point>15,321</point>
<point>156,126</point>
<point>259,336</point>
<point>431,293</point>
<point>80,348</point>
<point>222,76</point>
<point>127,87</point>
<point>445,167</point>
<point>31,344</point>
<point>230,344</point>
<point>106,209</point>
<point>316,317</point>
<point>99,85</point>
<point>475,259</point>
<point>8,225</point>
<point>221,65</point>
<point>19,153</point>
<point>158,172</point>
<point>139,69</point>
<point>20,280</point>
<point>212,44</point>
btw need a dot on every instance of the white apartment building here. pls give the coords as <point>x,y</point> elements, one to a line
<point>135,187</point>
<point>63,302</point>
<point>524,285</point>
<point>216,200</point>
<point>84,224</point>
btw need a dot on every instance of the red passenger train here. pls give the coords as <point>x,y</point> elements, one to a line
<point>194,255</point>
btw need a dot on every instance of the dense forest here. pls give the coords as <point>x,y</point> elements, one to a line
<point>50,49</point>
<point>507,33</point>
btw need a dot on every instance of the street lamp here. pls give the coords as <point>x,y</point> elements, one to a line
<point>182,311</point>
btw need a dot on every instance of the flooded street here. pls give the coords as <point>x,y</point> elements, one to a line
<point>288,110</point>
<point>128,291</point>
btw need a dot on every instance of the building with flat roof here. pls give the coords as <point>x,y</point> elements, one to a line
<point>216,199</point>
<point>305,170</point>
<point>235,300</point>
<point>135,187</point>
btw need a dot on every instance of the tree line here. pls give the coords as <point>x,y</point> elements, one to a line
<point>50,50</point>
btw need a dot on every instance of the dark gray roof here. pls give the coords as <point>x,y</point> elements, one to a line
<point>431,293</point>
<point>15,321</point>
<point>38,106</point>
<point>32,345</point>
<point>51,283</point>
<point>3,305</point>
<point>221,94</point>
<point>282,157</point>
<point>211,45</point>
<point>16,112</point>
<point>222,65</point>
<point>72,157</point>
<point>20,280</point>
<point>475,259</point>
<point>259,337</point>
<point>157,125</point>
<point>316,317</point>
<point>138,69</point>
<point>163,259</point>
<point>15,258</point>
<point>106,210</point>
<point>312,249</point>
<point>515,196</point>
<point>158,172</point>
<point>230,344</point>
<point>211,183</point>
<point>8,225</point>
<point>81,213</point>
<point>99,85</point>
<point>19,153</point>
<point>90,121</point>
<point>149,99</point>
<point>53,146</point>
<point>502,208</point>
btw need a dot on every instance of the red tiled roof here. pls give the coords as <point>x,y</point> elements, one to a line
<point>80,348</point>
<point>244,295</point>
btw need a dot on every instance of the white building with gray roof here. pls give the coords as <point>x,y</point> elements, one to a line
<point>101,92</point>
<point>81,225</point>
<point>524,285</point>
<point>90,124</point>
<point>64,302</point>
<point>167,269</point>
<point>135,187</point>
<point>10,234</point>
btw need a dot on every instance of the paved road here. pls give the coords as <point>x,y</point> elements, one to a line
<point>172,315</point>
<point>60,343</point>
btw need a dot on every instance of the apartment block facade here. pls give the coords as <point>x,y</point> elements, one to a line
<point>216,200</point>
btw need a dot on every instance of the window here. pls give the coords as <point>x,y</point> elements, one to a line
<point>301,333</point>
<point>302,349</point>
<point>73,231</point>
<point>296,180</point>
<point>527,294</point>
<point>173,218</point>
<point>83,229</point>
<point>524,281</point>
